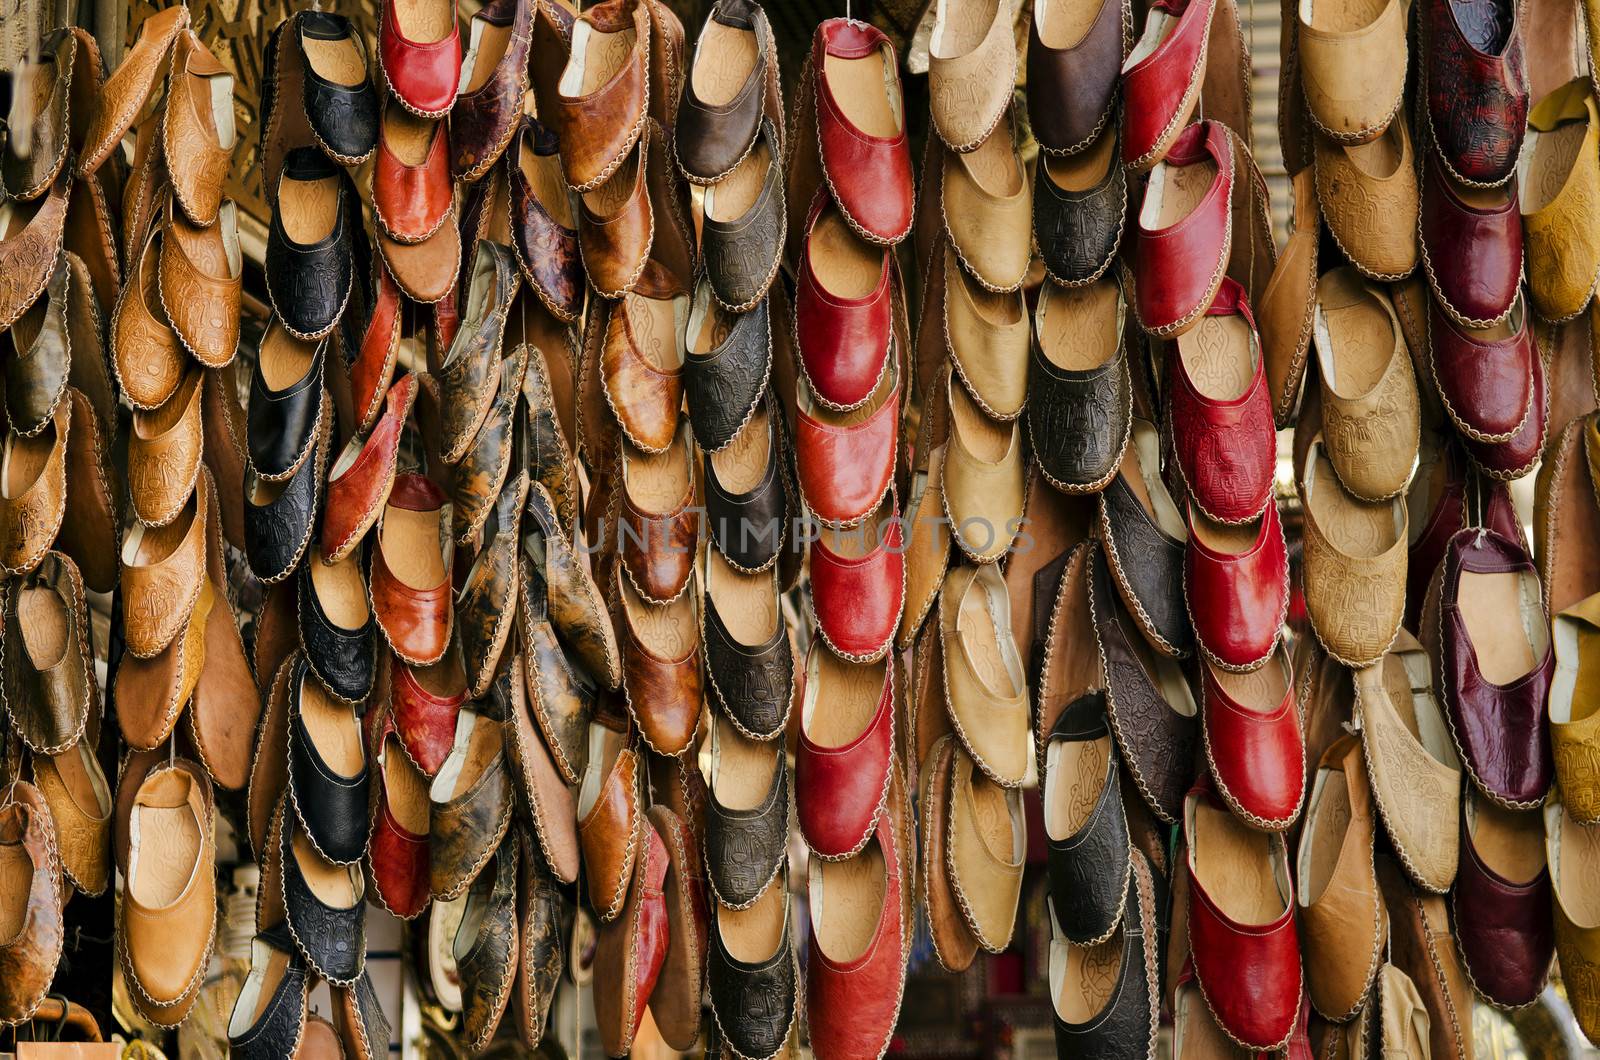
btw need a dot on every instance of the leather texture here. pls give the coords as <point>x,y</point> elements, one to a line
<point>742,254</point>
<point>1475,86</point>
<point>484,469</point>
<point>1471,250</point>
<point>470,806</point>
<point>746,848</point>
<point>764,505</point>
<point>310,283</point>
<point>1079,419</point>
<point>1559,229</point>
<point>486,957</point>
<point>1226,450</point>
<point>1089,868</point>
<point>330,806</point>
<point>425,707</point>
<point>617,222</point>
<point>48,83</point>
<point>279,518</point>
<point>985,690</point>
<point>1504,927</point>
<point>1151,580</point>
<point>1486,383</point>
<point>1416,784</point>
<point>609,832</point>
<point>576,608</point>
<point>752,684</point>
<point>985,201</point>
<point>422,74</point>
<point>1331,51</point>
<point>197,140</point>
<point>397,857</point>
<point>642,371</point>
<point>276,1028</point>
<point>487,600</point>
<point>543,957</point>
<point>724,384</point>
<point>970,89</point>
<point>1513,459</point>
<point>753,1002</point>
<point>470,367</point>
<point>200,284</point>
<point>361,479</point>
<point>657,547</point>
<point>562,696</point>
<point>868,176</point>
<point>415,620</point>
<point>1343,924</point>
<point>146,357</point>
<point>712,138</point>
<point>851,1002</point>
<point>283,424</point>
<point>1159,90</point>
<point>1157,738</point>
<point>857,599</point>
<point>1354,587</point>
<point>484,118</point>
<point>412,200</point>
<point>36,372</point>
<point>332,939</point>
<point>1249,973</point>
<point>29,250</point>
<point>663,691</point>
<point>1239,601</point>
<point>1361,191</point>
<point>1125,1025</point>
<point>544,234</point>
<point>599,128</point>
<point>839,789</point>
<point>1497,727</point>
<point>49,690</point>
<point>162,574</point>
<point>632,949</point>
<point>1180,265</point>
<point>28,960</point>
<point>31,513</point>
<point>1078,232</point>
<point>1072,87</point>
<point>1254,744</point>
<point>843,342</point>
<point>343,117</point>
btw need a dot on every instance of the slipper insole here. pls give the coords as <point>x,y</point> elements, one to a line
<point>1261,691</point>
<point>424,21</point>
<point>961,26</point>
<point>284,359</point>
<point>845,265</point>
<point>338,61</point>
<point>723,61</point>
<point>1360,333</point>
<point>1062,25</point>
<point>1078,327</point>
<point>1326,825</point>
<point>1578,853</point>
<point>984,438</point>
<point>332,884</point>
<point>1218,353</point>
<point>1510,842</point>
<point>850,902</point>
<point>46,626</point>
<point>341,592</point>
<point>1235,864</point>
<point>411,547</point>
<point>993,166</point>
<point>753,935</point>
<point>406,788</point>
<point>747,603</point>
<point>845,698</point>
<point>743,464</point>
<point>16,881</point>
<point>742,769</point>
<point>866,92</point>
<point>1091,975</point>
<point>1487,602</point>
<point>1554,154</point>
<point>658,482</point>
<point>732,197</point>
<point>1074,777</point>
<point>543,174</point>
<point>1141,465</point>
<point>670,631</point>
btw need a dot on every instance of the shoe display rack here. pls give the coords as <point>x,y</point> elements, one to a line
<point>622,512</point>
